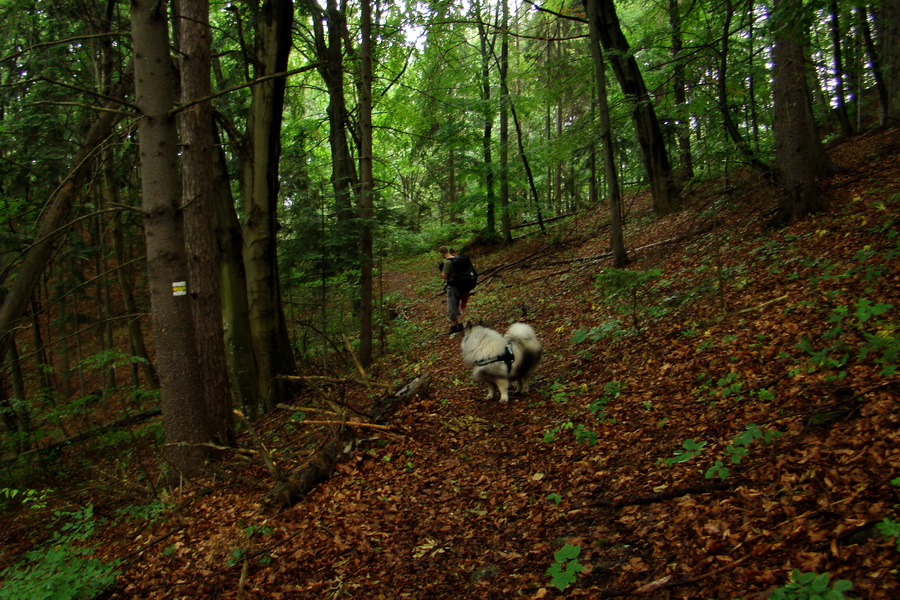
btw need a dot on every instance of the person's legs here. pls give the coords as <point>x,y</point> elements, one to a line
<point>453,308</point>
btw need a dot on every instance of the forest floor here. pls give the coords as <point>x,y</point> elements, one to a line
<point>734,418</point>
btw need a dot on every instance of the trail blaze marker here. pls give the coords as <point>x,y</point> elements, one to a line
<point>179,288</point>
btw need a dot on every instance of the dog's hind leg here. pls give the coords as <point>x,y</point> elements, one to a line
<point>503,386</point>
<point>523,384</point>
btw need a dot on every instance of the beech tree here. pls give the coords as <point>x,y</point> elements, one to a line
<point>666,196</point>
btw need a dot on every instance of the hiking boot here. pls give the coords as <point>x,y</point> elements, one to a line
<point>454,329</point>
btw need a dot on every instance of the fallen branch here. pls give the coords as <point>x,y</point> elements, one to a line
<point>325,379</point>
<point>349,424</point>
<point>291,489</point>
<point>715,486</point>
<point>263,452</point>
<point>761,306</point>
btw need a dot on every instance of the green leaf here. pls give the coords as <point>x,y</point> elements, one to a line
<point>567,552</point>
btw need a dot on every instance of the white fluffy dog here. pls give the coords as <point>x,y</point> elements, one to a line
<point>499,359</point>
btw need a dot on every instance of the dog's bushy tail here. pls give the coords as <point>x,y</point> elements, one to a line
<point>521,332</point>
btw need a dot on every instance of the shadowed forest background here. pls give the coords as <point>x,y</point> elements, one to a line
<point>225,364</point>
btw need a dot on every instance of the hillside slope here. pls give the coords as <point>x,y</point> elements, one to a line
<point>774,348</point>
<point>725,415</point>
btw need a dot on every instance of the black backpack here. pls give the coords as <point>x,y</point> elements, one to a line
<point>463,275</point>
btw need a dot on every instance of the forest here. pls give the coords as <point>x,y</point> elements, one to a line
<point>226,363</point>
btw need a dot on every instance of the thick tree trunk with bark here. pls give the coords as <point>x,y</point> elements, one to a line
<point>271,351</point>
<point>186,420</point>
<point>198,200</point>
<point>233,289</point>
<point>800,158</point>
<point>366,180</point>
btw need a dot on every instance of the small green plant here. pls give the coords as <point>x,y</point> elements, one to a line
<point>611,328</point>
<point>33,499</point>
<point>250,531</point>
<point>581,433</point>
<point>585,435</point>
<point>811,586</point>
<point>717,470</point>
<point>611,391</point>
<point>558,393</point>
<point>565,566</point>
<point>880,341</point>
<point>738,448</point>
<point>554,498</point>
<point>146,512</point>
<point>689,450</point>
<point>890,529</point>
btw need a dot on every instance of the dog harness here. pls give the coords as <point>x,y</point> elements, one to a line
<point>507,357</point>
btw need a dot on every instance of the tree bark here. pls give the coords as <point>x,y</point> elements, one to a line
<point>486,48</point>
<point>198,200</point>
<point>329,50</point>
<point>891,44</point>
<point>366,181</point>
<point>186,423</point>
<point>839,75</point>
<point>875,61</point>
<point>799,156</point>
<point>233,289</point>
<point>679,94</point>
<point>271,349</point>
<point>725,109</point>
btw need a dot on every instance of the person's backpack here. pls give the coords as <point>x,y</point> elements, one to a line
<point>463,275</point>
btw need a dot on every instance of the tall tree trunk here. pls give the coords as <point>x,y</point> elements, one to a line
<point>839,74</point>
<point>366,184</point>
<point>486,47</point>
<point>799,155</point>
<point>679,93</point>
<point>617,241</point>
<point>330,52</point>
<point>890,34</point>
<point>884,100</point>
<point>186,422</point>
<point>233,287</point>
<point>505,217</point>
<point>198,200</point>
<point>271,349</point>
<point>724,108</point>
<point>666,196</point>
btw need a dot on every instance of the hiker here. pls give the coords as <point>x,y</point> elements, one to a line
<point>460,277</point>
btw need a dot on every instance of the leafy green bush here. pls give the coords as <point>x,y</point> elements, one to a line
<point>63,568</point>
